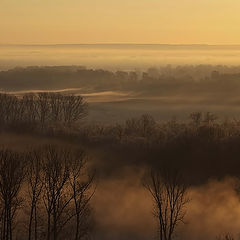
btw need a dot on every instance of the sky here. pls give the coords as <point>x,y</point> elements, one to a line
<point>119,21</point>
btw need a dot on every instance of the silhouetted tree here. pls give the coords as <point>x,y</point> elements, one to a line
<point>67,190</point>
<point>35,186</point>
<point>196,118</point>
<point>82,191</point>
<point>74,109</point>
<point>169,196</point>
<point>11,178</point>
<point>30,108</point>
<point>227,236</point>
<point>55,177</point>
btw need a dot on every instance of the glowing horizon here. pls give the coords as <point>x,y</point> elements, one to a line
<point>131,22</point>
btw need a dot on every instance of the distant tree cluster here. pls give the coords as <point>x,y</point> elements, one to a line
<point>203,146</point>
<point>164,79</point>
<point>42,109</point>
<point>146,128</point>
<point>45,194</point>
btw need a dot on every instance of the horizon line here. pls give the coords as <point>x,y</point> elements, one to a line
<point>114,44</point>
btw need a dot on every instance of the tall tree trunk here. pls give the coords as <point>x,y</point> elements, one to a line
<point>30,222</point>
<point>54,223</point>
<point>10,222</point>
<point>49,225</point>
<point>77,227</point>
<point>35,223</point>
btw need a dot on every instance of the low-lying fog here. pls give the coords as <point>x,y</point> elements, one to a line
<point>116,56</point>
<point>122,207</point>
<point>164,92</point>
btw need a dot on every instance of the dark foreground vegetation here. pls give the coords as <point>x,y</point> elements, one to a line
<point>45,189</point>
<point>43,192</point>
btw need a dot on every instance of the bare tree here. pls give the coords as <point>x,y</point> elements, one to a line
<point>3,107</point>
<point>74,108</point>
<point>143,126</point>
<point>82,191</point>
<point>209,118</point>
<point>55,106</point>
<point>169,196</point>
<point>10,109</point>
<point>35,185</point>
<point>118,131</point>
<point>196,118</point>
<point>147,125</point>
<point>30,108</point>
<point>226,236</point>
<point>42,108</point>
<point>57,194</point>
<point>11,178</point>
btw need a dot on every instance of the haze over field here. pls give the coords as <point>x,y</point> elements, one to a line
<point>113,96</point>
<point>119,120</point>
<point>117,56</point>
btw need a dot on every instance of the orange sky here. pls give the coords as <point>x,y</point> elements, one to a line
<point>125,21</point>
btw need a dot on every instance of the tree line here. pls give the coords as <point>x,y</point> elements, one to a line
<point>41,109</point>
<point>44,193</point>
<point>199,78</point>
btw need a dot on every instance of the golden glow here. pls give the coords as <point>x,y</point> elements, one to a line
<point>122,21</point>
